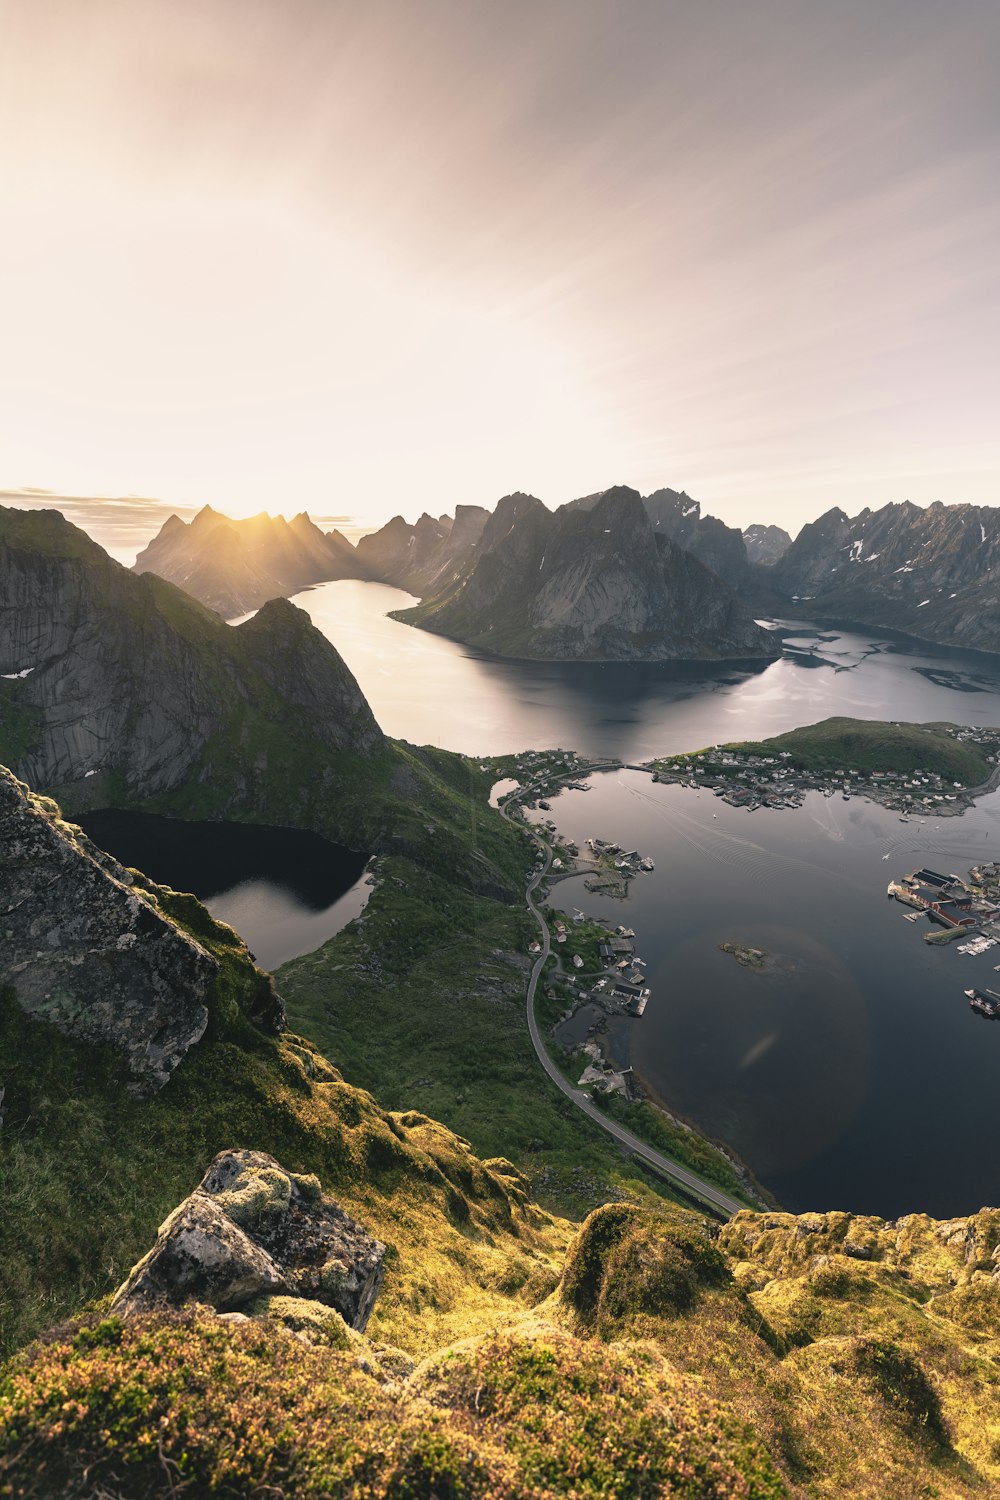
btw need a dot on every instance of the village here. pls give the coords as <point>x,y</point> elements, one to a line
<point>751,780</point>
<point>595,964</point>
<point>966,911</point>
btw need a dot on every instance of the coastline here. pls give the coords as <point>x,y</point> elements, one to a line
<point>753,1185</point>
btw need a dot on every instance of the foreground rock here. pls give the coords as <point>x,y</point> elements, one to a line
<point>83,950</point>
<point>252,1230</point>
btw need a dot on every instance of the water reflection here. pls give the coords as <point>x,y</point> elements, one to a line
<point>429,690</point>
<point>285,891</point>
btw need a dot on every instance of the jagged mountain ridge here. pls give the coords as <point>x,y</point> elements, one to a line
<point>123,677</point>
<point>424,557</point>
<point>589,581</point>
<point>119,690</point>
<point>235,566</point>
<point>718,546</point>
<point>765,544</point>
<point>932,573</point>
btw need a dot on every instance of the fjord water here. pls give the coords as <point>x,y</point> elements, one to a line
<point>850,1074</point>
<point>429,690</point>
<point>285,891</point>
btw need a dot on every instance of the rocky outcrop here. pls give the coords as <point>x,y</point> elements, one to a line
<point>929,573</point>
<point>591,582</point>
<point>236,566</point>
<point>83,947</point>
<point>127,680</point>
<point>765,544</point>
<point>942,1253</point>
<point>253,1230</point>
<point>424,557</point>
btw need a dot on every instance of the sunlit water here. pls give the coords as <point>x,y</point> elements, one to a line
<point>852,1072</point>
<point>286,892</point>
<point>429,690</point>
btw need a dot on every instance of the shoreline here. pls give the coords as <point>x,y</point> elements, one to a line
<point>745,1173</point>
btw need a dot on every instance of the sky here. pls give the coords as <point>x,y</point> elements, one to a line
<point>391,256</point>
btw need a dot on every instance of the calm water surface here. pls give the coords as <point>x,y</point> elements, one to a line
<point>285,891</point>
<point>852,1072</point>
<point>431,691</point>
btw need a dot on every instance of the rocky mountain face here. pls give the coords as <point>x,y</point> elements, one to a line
<point>711,541</point>
<point>422,558</point>
<point>589,582</point>
<point>930,573</point>
<point>765,544</point>
<point>86,950</point>
<point>236,566</point>
<point>120,683</point>
<point>100,954</point>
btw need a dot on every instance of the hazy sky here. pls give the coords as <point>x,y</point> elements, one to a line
<point>396,254</point>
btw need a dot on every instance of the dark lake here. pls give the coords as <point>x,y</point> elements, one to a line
<point>852,1072</point>
<point>285,891</point>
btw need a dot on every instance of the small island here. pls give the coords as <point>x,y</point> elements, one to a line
<point>745,956</point>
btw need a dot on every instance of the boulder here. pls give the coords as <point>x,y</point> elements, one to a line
<point>252,1229</point>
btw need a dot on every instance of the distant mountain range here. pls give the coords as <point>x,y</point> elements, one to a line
<point>592,581</point>
<point>236,566</point>
<point>481,577</point>
<point>930,573</point>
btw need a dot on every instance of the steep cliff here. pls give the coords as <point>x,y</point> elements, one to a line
<point>84,948</point>
<point>589,582</point>
<point>930,573</point>
<point>424,557</point>
<point>125,679</point>
<point>711,541</point>
<point>236,566</point>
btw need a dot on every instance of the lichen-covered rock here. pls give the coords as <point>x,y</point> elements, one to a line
<point>251,1229</point>
<point>200,1255</point>
<point>82,949</point>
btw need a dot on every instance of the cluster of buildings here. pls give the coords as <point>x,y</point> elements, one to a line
<point>970,909</point>
<point>754,780</point>
<point>946,899</point>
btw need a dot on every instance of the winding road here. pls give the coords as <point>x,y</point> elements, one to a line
<point>691,1184</point>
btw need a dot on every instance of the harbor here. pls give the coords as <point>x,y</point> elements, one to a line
<point>966,910</point>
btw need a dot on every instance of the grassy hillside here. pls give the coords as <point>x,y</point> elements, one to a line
<point>766,1361</point>
<point>873,745</point>
<point>88,1172</point>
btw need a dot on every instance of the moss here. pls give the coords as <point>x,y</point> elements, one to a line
<point>903,1383</point>
<point>625,1264</point>
<point>320,1324</point>
<point>189,1403</point>
<point>258,1198</point>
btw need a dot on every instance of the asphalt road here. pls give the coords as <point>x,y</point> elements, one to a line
<point>674,1171</point>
